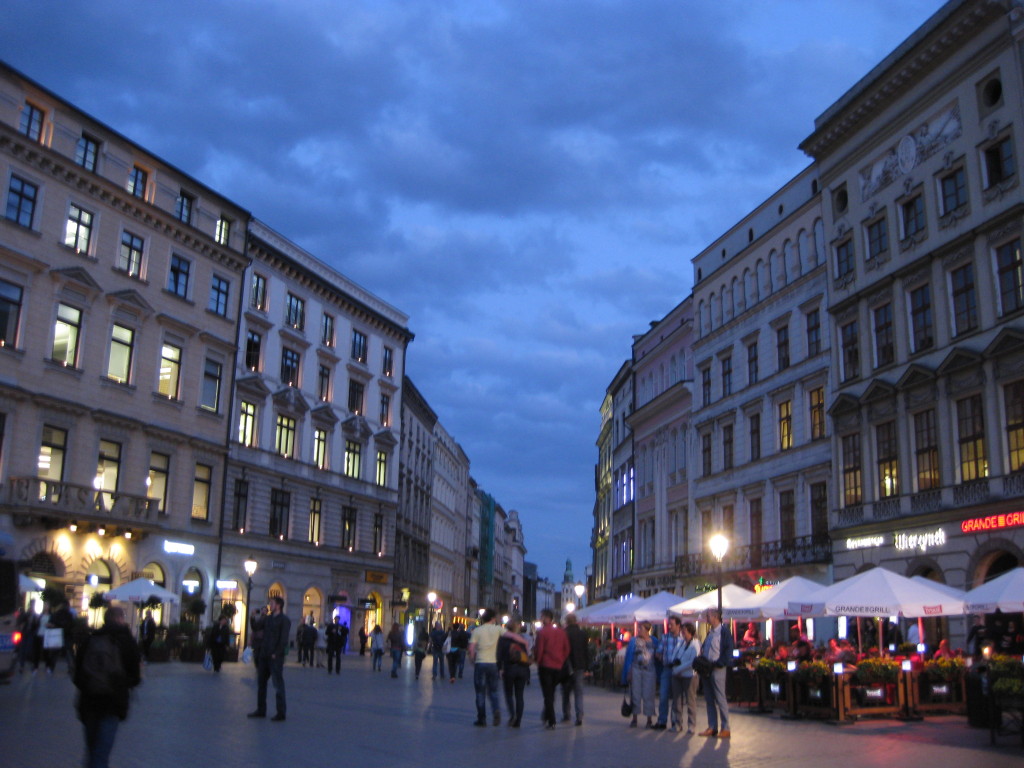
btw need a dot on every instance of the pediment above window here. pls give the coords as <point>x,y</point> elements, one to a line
<point>844,404</point>
<point>253,386</point>
<point>878,390</point>
<point>385,439</point>
<point>916,376</point>
<point>324,414</point>
<point>357,428</point>
<point>133,299</point>
<point>76,278</point>
<point>959,359</point>
<point>1006,342</point>
<point>290,399</point>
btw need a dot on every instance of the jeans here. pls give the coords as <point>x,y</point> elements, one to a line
<point>377,657</point>
<point>438,665</point>
<point>485,681</point>
<point>684,694</point>
<point>270,668</point>
<point>396,661</point>
<point>515,680</point>
<point>462,660</point>
<point>664,694</point>
<point>100,731</point>
<point>714,694</point>
<point>574,686</point>
<point>549,678</point>
<point>334,659</point>
<point>453,663</point>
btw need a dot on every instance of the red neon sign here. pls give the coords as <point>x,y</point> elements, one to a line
<point>993,522</point>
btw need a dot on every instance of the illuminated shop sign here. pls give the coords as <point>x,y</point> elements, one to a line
<point>993,522</point>
<point>227,584</point>
<point>763,585</point>
<point>179,548</point>
<point>865,541</point>
<point>922,542</point>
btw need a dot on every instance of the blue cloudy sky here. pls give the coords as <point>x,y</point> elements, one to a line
<point>527,179</point>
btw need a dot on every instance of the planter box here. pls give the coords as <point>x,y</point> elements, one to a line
<point>878,699</point>
<point>815,698</point>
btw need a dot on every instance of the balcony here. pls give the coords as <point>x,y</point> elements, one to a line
<point>802,550</point>
<point>29,497</point>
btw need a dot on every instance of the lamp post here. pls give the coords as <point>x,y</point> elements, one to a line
<point>250,569</point>
<point>579,589</point>
<point>431,599</point>
<point>719,546</point>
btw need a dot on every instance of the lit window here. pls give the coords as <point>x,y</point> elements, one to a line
<point>353,458</point>
<point>382,468</point>
<point>108,471</point>
<point>887,450</point>
<point>170,371</point>
<point>320,448</point>
<point>211,386</point>
<point>66,330</point>
<point>971,438</point>
<point>1014,397</point>
<point>122,342</point>
<point>247,424</point>
<point>817,409</point>
<point>852,494</point>
<point>284,443</point>
<point>926,450</point>
<point>129,258</point>
<point>223,232</point>
<point>315,505</point>
<point>10,313</point>
<point>156,483</point>
<point>785,425</point>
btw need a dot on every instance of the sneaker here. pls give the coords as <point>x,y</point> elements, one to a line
<point>724,734</point>
<point>579,721</point>
<point>277,718</point>
<point>660,726</point>
<point>481,723</point>
<point>709,732</point>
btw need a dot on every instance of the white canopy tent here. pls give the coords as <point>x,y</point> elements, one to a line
<point>879,592</point>
<point>773,603</point>
<point>731,595</point>
<point>654,608</point>
<point>140,590</point>
<point>606,612</point>
<point>1004,593</point>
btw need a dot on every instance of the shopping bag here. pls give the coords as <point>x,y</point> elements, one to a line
<point>247,656</point>
<point>208,661</point>
<point>53,638</point>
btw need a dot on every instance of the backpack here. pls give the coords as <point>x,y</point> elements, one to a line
<point>518,655</point>
<point>101,668</point>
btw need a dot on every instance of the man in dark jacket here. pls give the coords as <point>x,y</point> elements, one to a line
<point>579,661</point>
<point>102,704</point>
<point>334,644</point>
<point>437,640</point>
<point>270,661</point>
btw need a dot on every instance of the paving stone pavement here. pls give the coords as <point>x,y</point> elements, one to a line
<point>182,716</point>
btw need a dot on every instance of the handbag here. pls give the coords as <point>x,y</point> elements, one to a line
<point>53,638</point>
<point>208,661</point>
<point>702,666</point>
<point>247,656</point>
<point>627,706</point>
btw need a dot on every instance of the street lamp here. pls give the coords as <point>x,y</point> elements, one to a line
<point>431,599</point>
<point>719,546</point>
<point>570,607</point>
<point>250,569</point>
<point>579,589</point>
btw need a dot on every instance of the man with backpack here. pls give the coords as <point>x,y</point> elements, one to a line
<point>107,668</point>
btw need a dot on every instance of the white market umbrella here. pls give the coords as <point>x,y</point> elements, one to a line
<point>138,591</point>
<point>879,592</point>
<point>25,584</point>
<point>614,612</point>
<point>583,613</point>
<point>731,595</point>
<point>1004,593</point>
<point>773,603</point>
<point>655,607</point>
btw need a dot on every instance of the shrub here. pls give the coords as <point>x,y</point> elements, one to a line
<point>770,669</point>
<point>812,672</point>
<point>875,671</point>
<point>944,669</point>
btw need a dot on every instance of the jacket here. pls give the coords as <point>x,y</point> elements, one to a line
<point>631,653</point>
<point>276,628</point>
<point>724,658</point>
<point>552,647</point>
<point>131,658</point>
<point>579,655</point>
<point>684,653</point>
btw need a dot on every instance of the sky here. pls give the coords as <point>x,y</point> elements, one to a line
<point>528,180</point>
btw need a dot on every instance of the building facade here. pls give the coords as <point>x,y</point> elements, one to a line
<point>624,483</point>
<point>449,497</point>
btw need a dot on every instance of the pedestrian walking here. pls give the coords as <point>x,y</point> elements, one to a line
<point>717,649</point>
<point>437,640</point>
<point>276,629</point>
<point>396,644</point>
<point>333,638</point>
<point>638,672</point>
<point>551,652</point>
<point>377,648</point>
<point>217,643</point>
<point>363,639</point>
<point>320,648</point>
<point>579,661</point>
<point>513,659</point>
<point>483,652</point>
<point>419,650</point>
<point>460,644</point>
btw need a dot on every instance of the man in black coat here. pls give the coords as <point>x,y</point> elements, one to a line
<point>579,661</point>
<point>101,710</point>
<point>334,645</point>
<point>270,662</point>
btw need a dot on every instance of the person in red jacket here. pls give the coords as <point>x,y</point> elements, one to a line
<point>550,651</point>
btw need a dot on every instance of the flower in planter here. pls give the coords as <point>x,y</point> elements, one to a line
<point>813,672</point>
<point>948,670</point>
<point>1007,675</point>
<point>876,672</point>
<point>770,669</point>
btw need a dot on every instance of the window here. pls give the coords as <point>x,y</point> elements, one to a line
<point>782,347</point>
<point>156,482</point>
<point>787,515</point>
<point>912,212</point>
<point>284,440</point>
<point>219,288</point>
<point>324,383</point>
<point>878,238</point>
<point>726,376</point>
<point>78,229</point>
<point>755,436</point>
<point>382,469</point>
<point>785,425</point>
<point>1011,277</point>
<point>813,332</point>
<point>887,452</point>
<point>965,300</point>
<point>247,424</point>
<point>320,448</point>
<point>355,397</point>
<point>817,409</point>
<point>728,521</point>
<point>21,201</point>
<point>50,465</point>
<point>926,450</point>
<point>289,367</point>
<point>755,513</point>
<point>752,363</point>
<point>727,446</point>
<point>177,280</point>
<point>885,351</point>
<point>851,350</point>
<point>258,294</point>
<point>315,505</point>
<point>851,470</point>
<point>921,318</point>
<point>211,386</point>
<point>378,533</point>
<point>359,346</point>
<point>327,330</point>
<point>388,369</point>
<point>253,350</point>
<point>10,313</point>
<point>280,504</point>
<point>129,258</point>
<point>844,258</point>
<point>353,459</point>
<point>348,528</point>
<point>819,510</point>
<point>66,330</point>
<point>705,386</point>
<point>705,454</point>
<point>999,165</point>
<point>137,179</point>
<point>86,152</point>
<point>385,410</point>
<point>238,520</point>
<point>970,420</point>
<point>119,364</point>
<point>295,312</point>
<point>222,234</point>
<point>183,207</point>
<point>31,122</point>
<point>1014,397</point>
<point>953,188</point>
<point>108,472</point>
<point>169,376</point>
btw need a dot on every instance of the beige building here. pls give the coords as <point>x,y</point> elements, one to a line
<point>121,281</point>
<point>448,526</point>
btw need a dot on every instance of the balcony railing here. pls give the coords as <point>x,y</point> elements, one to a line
<point>34,495</point>
<point>802,550</point>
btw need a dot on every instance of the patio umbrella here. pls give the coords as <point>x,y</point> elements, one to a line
<point>139,590</point>
<point>614,611</point>
<point>879,592</point>
<point>772,603</point>
<point>731,595</point>
<point>655,607</point>
<point>1005,593</point>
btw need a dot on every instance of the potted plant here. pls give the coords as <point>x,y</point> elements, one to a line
<point>813,675</point>
<point>769,669</point>
<point>875,678</point>
<point>1006,674</point>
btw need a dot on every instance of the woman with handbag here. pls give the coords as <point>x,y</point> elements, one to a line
<point>514,668</point>
<point>684,682</point>
<point>639,673</point>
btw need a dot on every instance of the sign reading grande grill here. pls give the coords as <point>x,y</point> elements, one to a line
<point>992,522</point>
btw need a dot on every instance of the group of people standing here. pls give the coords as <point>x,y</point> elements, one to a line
<point>669,668</point>
<point>442,645</point>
